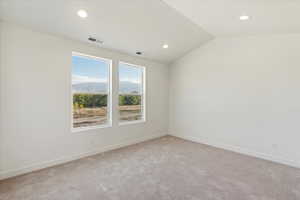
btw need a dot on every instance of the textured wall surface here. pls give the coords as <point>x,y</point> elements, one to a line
<point>36,102</point>
<point>241,94</point>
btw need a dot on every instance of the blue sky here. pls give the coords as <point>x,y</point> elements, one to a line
<point>90,70</point>
<point>128,73</point>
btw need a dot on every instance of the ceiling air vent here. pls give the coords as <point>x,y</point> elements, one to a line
<point>92,39</point>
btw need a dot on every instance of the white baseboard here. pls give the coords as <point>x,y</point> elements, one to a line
<point>240,150</point>
<point>42,165</point>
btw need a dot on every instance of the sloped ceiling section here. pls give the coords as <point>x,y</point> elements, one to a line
<point>126,26</point>
<point>221,17</point>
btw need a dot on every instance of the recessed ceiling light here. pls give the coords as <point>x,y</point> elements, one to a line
<point>82,13</point>
<point>244,17</point>
<point>165,46</point>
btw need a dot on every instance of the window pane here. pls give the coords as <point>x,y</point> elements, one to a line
<point>131,94</point>
<point>90,90</point>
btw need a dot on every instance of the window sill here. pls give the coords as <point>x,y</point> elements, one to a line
<point>78,130</point>
<point>132,122</point>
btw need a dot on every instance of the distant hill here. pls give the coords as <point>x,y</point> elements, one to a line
<point>126,87</point>
<point>89,87</point>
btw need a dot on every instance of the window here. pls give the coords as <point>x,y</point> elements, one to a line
<point>91,91</point>
<point>131,93</point>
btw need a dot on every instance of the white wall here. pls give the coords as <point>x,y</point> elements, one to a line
<point>35,102</point>
<point>241,94</point>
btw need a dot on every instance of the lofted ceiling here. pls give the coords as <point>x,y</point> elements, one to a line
<point>221,17</point>
<point>146,25</point>
<point>126,26</point>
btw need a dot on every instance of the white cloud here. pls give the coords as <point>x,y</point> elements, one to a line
<point>76,79</point>
<point>130,80</point>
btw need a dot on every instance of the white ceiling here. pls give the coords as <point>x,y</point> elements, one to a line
<point>145,25</point>
<point>124,25</point>
<point>221,17</point>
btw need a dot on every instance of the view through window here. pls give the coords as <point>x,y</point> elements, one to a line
<point>131,93</point>
<point>90,90</point>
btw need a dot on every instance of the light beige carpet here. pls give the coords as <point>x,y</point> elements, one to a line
<point>167,168</point>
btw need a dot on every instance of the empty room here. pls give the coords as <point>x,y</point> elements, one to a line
<point>149,100</point>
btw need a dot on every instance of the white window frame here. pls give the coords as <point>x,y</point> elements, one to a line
<point>109,95</point>
<point>143,120</point>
